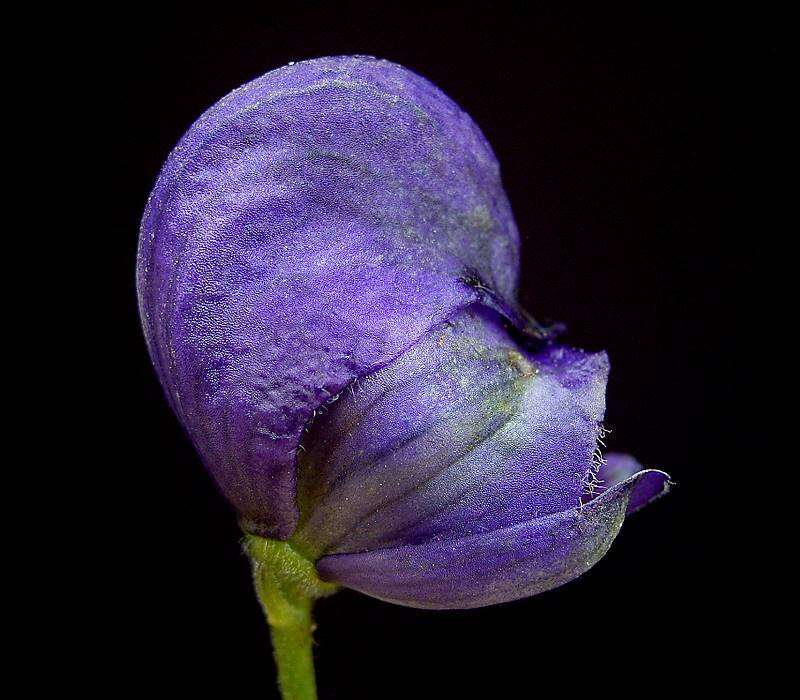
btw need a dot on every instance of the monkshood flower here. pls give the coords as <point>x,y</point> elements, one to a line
<point>327,281</point>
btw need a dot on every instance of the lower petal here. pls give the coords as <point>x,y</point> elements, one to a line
<point>493,567</point>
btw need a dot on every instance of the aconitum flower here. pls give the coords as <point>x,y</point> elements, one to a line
<point>327,280</point>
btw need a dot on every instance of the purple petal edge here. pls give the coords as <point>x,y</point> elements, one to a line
<point>497,566</point>
<point>651,485</point>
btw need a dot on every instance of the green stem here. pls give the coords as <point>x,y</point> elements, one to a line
<point>287,586</point>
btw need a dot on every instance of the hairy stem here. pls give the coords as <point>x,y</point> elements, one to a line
<point>287,586</point>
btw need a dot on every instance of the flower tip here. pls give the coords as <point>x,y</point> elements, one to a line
<point>625,471</point>
<point>651,484</point>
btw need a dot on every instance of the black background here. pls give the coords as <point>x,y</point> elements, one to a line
<point>619,135</point>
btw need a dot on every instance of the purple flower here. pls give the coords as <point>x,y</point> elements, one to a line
<point>327,281</point>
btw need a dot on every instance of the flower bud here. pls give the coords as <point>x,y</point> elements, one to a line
<point>327,282</point>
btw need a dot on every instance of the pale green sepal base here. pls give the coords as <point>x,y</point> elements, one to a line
<point>287,586</point>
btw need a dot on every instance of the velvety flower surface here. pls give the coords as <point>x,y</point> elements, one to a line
<point>327,280</point>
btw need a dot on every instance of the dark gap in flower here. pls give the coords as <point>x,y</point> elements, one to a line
<point>521,325</point>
